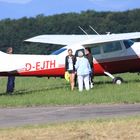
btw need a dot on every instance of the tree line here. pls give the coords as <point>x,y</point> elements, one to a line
<point>13,32</point>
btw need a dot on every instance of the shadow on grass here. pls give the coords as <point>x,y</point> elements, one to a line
<point>30,91</point>
<point>133,81</point>
<point>124,82</point>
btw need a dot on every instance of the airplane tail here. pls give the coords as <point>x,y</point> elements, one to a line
<point>2,53</point>
<point>6,63</point>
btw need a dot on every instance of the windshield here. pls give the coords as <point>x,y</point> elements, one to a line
<point>128,43</point>
<point>58,51</point>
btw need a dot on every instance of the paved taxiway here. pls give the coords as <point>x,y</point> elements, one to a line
<point>11,117</point>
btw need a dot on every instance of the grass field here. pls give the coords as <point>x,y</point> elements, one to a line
<point>111,129</point>
<point>32,91</point>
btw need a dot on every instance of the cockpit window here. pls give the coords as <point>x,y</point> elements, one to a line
<point>128,43</point>
<point>59,51</point>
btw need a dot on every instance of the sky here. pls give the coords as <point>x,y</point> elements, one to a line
<point>15,9</point>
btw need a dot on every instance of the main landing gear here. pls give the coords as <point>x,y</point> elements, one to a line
<point>115,80</point>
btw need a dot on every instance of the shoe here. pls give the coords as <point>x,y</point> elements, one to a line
<point>91,85</point>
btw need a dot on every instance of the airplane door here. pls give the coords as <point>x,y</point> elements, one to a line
<point>113,50</point>
<point>112,54</point>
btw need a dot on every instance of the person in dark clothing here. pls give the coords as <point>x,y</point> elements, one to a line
<point>69,66</point>
<point>10,84</point>
<point>11,79</point>
<point>90,59</point>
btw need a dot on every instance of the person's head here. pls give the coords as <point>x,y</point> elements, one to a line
<point>80,54</point>
<point>69,52</point>
<point>10,50</point>
<point>87,51</point>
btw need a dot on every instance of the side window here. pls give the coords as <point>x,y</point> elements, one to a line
<point>95,50</point>
<point>111,47</point>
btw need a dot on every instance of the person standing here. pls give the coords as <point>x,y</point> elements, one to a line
<point>11,78</point>
<point>90,59</point>
<point>83,69</point>
<point>69,67</point>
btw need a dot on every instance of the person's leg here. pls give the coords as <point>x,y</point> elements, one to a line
<point>80,82</point>
<point>91,80</point>
<point>75,80</point>
<point>10,84</point>
<point>86,81</point>
<point>91,76</point>
<point>72,76</point>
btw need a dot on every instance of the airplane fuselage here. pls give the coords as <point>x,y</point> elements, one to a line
<point>113,57</point>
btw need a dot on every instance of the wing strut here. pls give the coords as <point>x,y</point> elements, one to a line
<point>93,30</point>
<point>83,30</point>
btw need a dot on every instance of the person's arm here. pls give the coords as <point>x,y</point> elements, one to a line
<point>74,60</point>
<point>66,64</point>
<point>91,60</point>
<point>76,64</point>
<point>89,67</point>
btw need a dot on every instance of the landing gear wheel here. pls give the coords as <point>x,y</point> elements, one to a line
<point>117,80</point>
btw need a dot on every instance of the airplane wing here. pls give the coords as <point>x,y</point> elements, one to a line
<point>82,39</point>
<point>111,38</point>
<point>59,39</point>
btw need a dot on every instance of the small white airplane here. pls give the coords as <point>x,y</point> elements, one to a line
<point>113,53</point>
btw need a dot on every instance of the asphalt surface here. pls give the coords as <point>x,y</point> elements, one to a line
<point>12,117</point>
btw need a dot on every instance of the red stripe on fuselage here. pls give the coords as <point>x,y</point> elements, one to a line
<point>109,65</point>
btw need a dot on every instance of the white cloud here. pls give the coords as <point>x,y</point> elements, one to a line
<point>16,1</point>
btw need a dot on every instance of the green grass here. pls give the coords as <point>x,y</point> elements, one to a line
<point>32,91</point>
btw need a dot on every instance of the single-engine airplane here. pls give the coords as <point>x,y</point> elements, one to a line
<point>113,53</point>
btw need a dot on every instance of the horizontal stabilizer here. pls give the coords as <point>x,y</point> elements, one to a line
<point>8,63</point>
<point>10,69</point>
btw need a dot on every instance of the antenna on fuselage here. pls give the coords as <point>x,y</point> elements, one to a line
<point>93,30</point>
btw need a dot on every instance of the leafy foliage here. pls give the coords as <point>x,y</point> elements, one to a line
<point>14,32</point>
